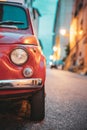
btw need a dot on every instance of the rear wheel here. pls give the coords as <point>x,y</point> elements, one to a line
<point>38,106</point>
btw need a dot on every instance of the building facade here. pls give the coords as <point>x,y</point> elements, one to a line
<point>77,60</point>
<point>62,28</point>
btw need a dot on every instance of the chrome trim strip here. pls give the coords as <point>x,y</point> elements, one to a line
<point>21,83</point>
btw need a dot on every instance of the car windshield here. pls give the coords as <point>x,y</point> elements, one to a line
<point>13,16</point>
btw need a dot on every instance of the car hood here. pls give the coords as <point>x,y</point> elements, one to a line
<point>10,37</point>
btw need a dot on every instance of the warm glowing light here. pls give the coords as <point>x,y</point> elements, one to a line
<point>50,63</point>
<point>59,51</point>
<point>80,32</point>
<point>55,48</point>
<point>26,41</point>
<point>51,57</point>
<point>62,32</point>
<point>73,32</point>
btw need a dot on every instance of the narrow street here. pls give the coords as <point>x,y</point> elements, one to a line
<point>66,105</point>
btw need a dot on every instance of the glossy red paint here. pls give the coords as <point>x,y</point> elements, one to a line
<point>12,38</point>
<point>11,71</point>
<point>9,37</point>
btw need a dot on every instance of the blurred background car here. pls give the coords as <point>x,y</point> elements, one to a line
<point>57,64</point>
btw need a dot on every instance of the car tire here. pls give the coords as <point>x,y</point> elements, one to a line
<point>38,106</point>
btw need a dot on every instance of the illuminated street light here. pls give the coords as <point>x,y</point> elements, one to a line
<point>51,57</point>
<point>50,63</point>
<point>55,48</point>
<point>62,32</point>
<point>81,32</point>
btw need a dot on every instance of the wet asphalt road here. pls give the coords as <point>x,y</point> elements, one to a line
<point>66,105</point>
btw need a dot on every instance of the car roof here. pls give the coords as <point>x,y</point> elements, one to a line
<point>11,2</point>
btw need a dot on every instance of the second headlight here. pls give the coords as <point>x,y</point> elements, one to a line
<point>19,56</point>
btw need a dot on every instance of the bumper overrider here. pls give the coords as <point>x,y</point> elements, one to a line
<point>21,83</point>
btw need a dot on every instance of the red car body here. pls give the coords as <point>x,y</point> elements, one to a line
<point>22,64</point>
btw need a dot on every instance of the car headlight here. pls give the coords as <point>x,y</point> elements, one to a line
<point>19,56</point>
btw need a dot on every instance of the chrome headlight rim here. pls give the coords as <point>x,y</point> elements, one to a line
<point>21,48</point>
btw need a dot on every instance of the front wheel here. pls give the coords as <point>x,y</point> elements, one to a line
<point>38,105</point>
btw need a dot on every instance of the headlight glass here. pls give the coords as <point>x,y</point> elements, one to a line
<point>19,56</point>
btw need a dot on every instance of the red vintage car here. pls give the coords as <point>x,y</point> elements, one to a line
<point>22,63</point>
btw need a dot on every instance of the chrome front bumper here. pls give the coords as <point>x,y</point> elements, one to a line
<point>21,83</point>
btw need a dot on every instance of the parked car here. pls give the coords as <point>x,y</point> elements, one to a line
<point>22,63</point>
<point>57,64</point>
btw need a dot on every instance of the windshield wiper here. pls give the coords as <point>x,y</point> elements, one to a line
<point>10,22</point>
